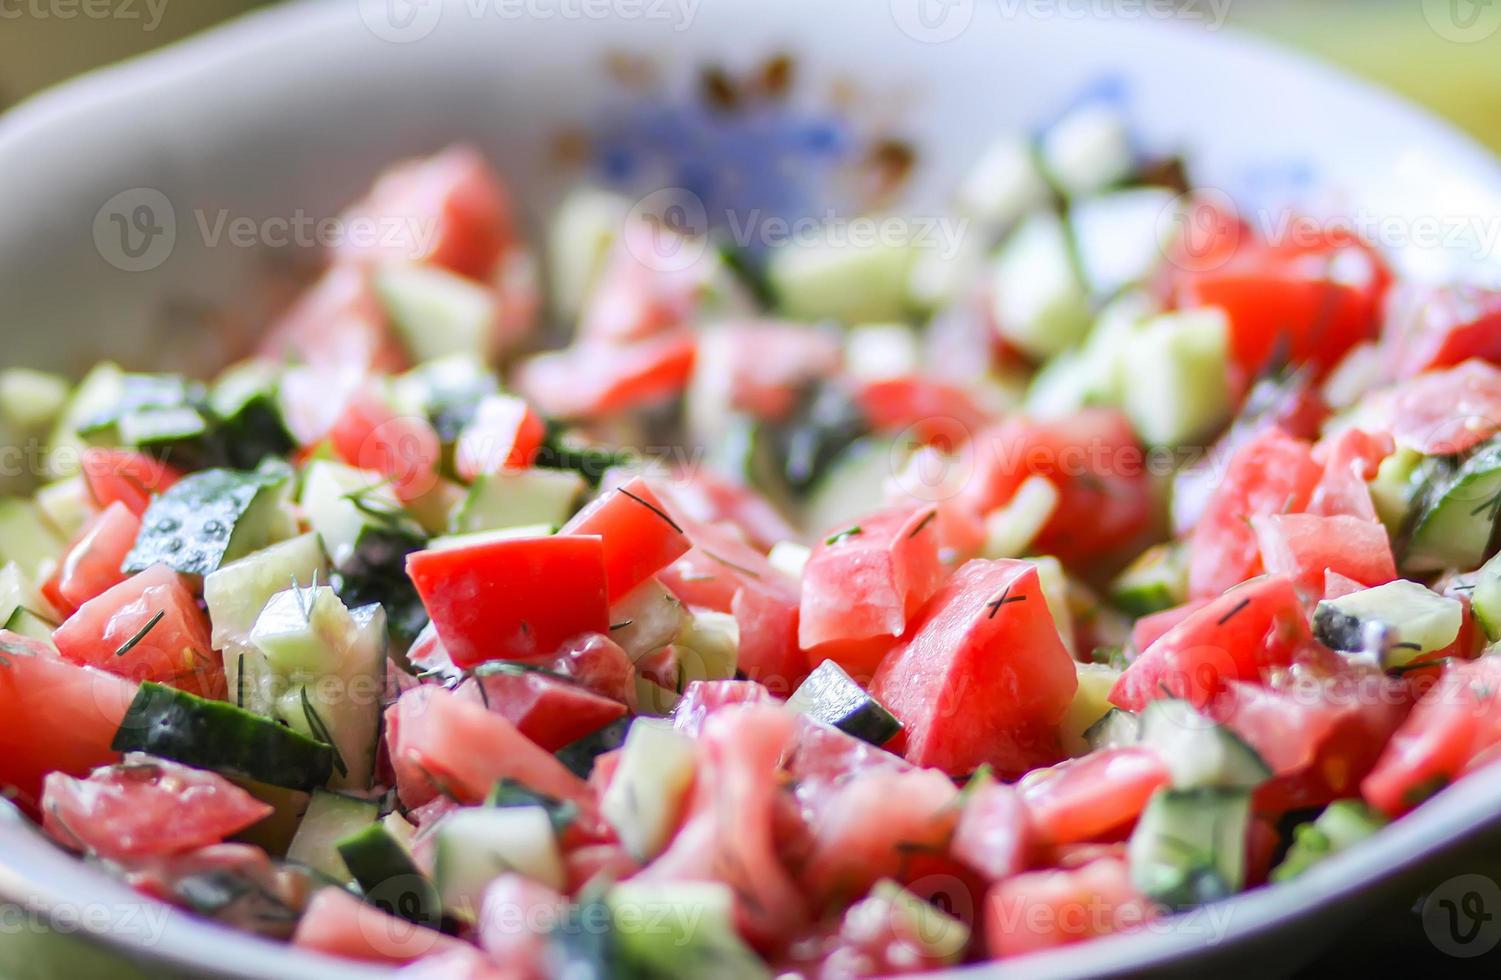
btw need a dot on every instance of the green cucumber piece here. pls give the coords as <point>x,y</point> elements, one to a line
<point>647,792</point>
<point>1156,580</point>
<point>1010,529</point>
<point>65,505</point>
<point>853,483</point>
<point>25,539</point>
<point>30,400</point>
<point>330,818</point>
<point>1087,151</point>
<point>237,592</point>
<point>344,504</point>
<point>1398,480</point>
<point>1455,515</point>
<point>447,391</point>
<point>1004,183</point>
<point>579,755</point>
<point>1485,599</point>
<point>831,696</point>
<point>1115,729</point>
<point>209,519</point>
<point>681,930</point>
<point>844,282</point>
<point>18,592</point>
<point>382,865</point>
<point>708,648</point>
<point>1341,825</point>
<point>1040,304</point>
<point>437,313</point>
<point>514,498</point>
<point>1198,752</point>
<point>579,236</point>
<point>475,845</point>
<point>1189,846</point>
<point>28,623</point>
<point>939,938</point>
<point>646,619</point>
<point>1396,623</point>
<point>95,394</point>
<point>1090,705</point>
<point>1116,236</point>
<point>1176,367</point>
<point>251,422</point>
<point>207,734</point>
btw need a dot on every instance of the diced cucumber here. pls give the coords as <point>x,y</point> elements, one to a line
<point>330,818</point>
<point>1040,303</point>
<point>1342,825</point>
<point>25,539</point>
<point>17,591</point>
<point>1189,846</point>
<point>790,557</point>
<point>1089,707</point>
<point>450,541</point>
<point>436,312</point>
<point>179,434</point>
<point>1055,589</point>
<point>237,592</point>
<point>514,498</point>
<point>648,791</point>
<point>940,938</point>
<point>1398,480</point>
<point>939,276</point>
<point>1485,598</point>
<point>30,400</point>
<point>1116,728</point>
<point>1361,369</point>
<point>65,506</point>
<point>1004,184</point>
<point>302,630</point>
<point>1087,150</point>
<point>1176,370</point>
<point>578,756</point>
<point>343,504</point>
<point>213,735</point>
<point>246,400</point>
<point>1116,236</point>
<point>1198,752</point>
<point>1396,623</point>
<point>1066,383</point>
<point>708,647</point>
<point>446,390</point>
<point>879,351</point>
<point>831,696</point>
<point>582,230</point>
<point>99,390</point>
<point>475,845</point>
<point>653,700</point>
<point>28,623</point>
<point>382,865</point>
<point>1456,515</point>
<point>842,281</point>
<point>854,483</point>
<point>209,519</point>
<point>1156,580</point>
<point>681,930</point>
<point>1011,528</point>
<point>646,619</point>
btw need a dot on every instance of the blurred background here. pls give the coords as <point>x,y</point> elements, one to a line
<point>1387,41</point>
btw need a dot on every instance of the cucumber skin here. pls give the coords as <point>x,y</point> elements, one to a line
<point>214,735</point>
<point>831,696</point>
<point>389,878</point>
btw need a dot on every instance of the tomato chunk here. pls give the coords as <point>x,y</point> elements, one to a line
<point>1081,799</point>
<point>337,923</point>
<point>92,565</point>
<point>371,435</point>
<point>513,599</point>
<point>1045,909</point>
<point>1440,326</point>
<point>123,476</point>
<point>1439,413</point>
<point>593,379</point>
<point>639,536</point>
<point>146,807</point>
<point>504,434</point>
<point>995,835</point>
<point>337,328</point>
<point>549,711</point>
<point>984,676</point>
<point>1304,546</point>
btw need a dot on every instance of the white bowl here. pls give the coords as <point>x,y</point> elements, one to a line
<point>291,112</point>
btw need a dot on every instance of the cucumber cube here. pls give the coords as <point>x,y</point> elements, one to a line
<point>1040,303</point>
<point>647,793</point>
<point>1176,377</point>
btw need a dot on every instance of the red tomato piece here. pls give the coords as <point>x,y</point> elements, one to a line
<point>449,210</point>
<point>1082,799</point>
<point>1455,721</point>
<point>1304,546</point>
<point>404,449</point>
<point>1148,628</point>
<point>592,379</point>
<point>504,434</point>
<point>995,836</point>
<point>92,565</point>
<point>652,282</point>
<point>763,367</point>
<point>926,406</point>
<point>1236,637</point>
<point>703,698</point>
<point>146,807</point>
<point>1350,459</point>
<point>123,476</point>
<point>147,628</point>
<point>513,599</point>
<point>599,664</point>
<point>866,581</point>
<point>984,676</point>
<point>1440,326</point>
<point>1439,413</point>
<point>547,710</point>
<point>516,914</point>
<point>708,498</point>
<point>640,538</point>
<point>1045,909</point>
<point>54,717</point>
<point>337,328</point>
<point>1091,457</point>
<point>437,736</point>
<point>337,923</point>
<point>1271,474</point>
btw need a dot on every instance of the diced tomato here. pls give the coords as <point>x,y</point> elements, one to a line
<point>640,538</point>
<point>1350,459</point>
<point>146,807</point>
<point>1082,799</point>
<point>123,476</point>
<point>865,582</point>
<point>1044,909</point>
<point>516,915</point>
<point>1091,457</point>
<point>1336,585</point>
<point>1271,474</point>
<point>547,710</point>
<point>593,379</point>
<point>461,963</point>
<point>709,498</point>
<point>984,676</point>
<point>1456,720</point>
<point>1439,413</point>
<point>599,664</point>
<point>1304,546</point>
<point>438,737</point>
<point>54,717</point>
<point>513,599</point>
<point>338,327</point>
<point>727,835</point>
<point>92,565</point>
<point>337,923</point>
<point>147,628</point>
<point>404,449</point>
<point>1236,637</point>
<point>1440,326</point>
<point>876,937</point>
<point>823,757</point>
<point>703,698</point>
<point>1263,843</point>
<point>504,434</point>
<point>926,406</point>
<point>449,209</point>
<point>652,282</point>
<point>1148,628</point>
<point>763,367</point>
<point>995,835</point>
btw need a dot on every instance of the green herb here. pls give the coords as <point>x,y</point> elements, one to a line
<point>1233,612</point>
<point>653,508</point>
<point>839,536</point>
<point>1001,600</point>
<point>240,682</point>
<point>320,731</point>
<point>140,635</point>
<point>927,519</point>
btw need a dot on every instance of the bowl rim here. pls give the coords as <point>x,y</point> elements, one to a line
<point>42,877</point>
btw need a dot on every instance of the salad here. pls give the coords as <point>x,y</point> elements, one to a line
<point>633,603</point>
